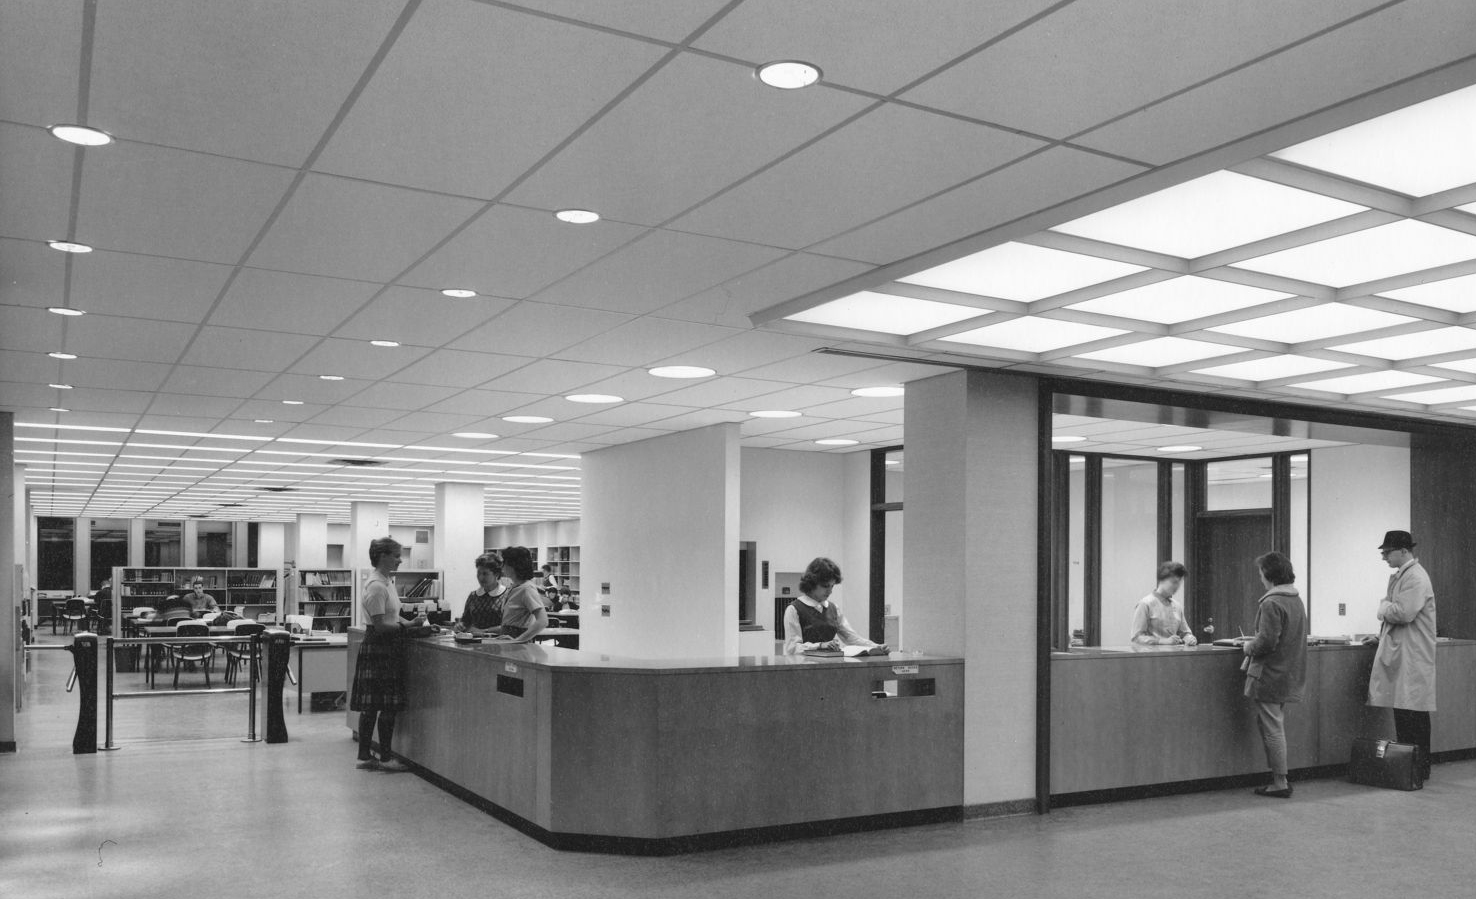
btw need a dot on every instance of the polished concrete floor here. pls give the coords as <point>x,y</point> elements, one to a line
<point>184,808</point>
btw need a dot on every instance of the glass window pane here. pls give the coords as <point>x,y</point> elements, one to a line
<point>1238,484</point>
<point>213,544</point>
<point>1129,543</point>
<point>1076,551</point>
<point>162,543</point>
<point>894,477</point>
<point>1179,552</point>
<point>55,553</point>
<point>1300,527</point>
<point>895,584</point>
<point>109,543</point>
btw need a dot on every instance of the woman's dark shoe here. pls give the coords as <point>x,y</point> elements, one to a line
<point>1274,794</point>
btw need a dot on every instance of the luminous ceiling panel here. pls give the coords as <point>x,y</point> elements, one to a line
<point>1209,214</point>
<point>1017,271</point>
<point>1419,150</point>
<point>1034,335</point>
<point>1410,346</point>
<point>1434,397</point>
<point>888,314</point>
<point>1368,255</point>
<point>1161,351</point>
<point>1180,300</point>
<point>1272,368</point>
<point>1368,383</point>
<point>1314,323</point>
<point>1454,294</point>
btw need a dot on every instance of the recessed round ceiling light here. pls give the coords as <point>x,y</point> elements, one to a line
<point>681,371</point>
<point>788,74</point>
<point>837,441</point>
<point>67,246</point>
<point>60,386</point>
<point>62,310</point>
<point>1066,438</point>
<point>62,355</point>
<point>594,398</point>
<point>59,409</point>
<point>475,435</point>
<point>1180,449</point>
<point>385,342</point>
<point>878,391</point>
<point>527,419</point>
<point>81,134</point>
<point>577,216</point>
<point>893,462</point>
<point>774,413</point>
<point>459,293</point>
<point>292,402</point>
<point>330,377</point>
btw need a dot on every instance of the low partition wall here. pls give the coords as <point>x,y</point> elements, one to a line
<point>585,751</point>
<point>1124,721</point>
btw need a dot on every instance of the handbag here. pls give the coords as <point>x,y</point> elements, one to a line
<point>1384,763</point>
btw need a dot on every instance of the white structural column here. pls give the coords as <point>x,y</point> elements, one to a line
<point>367,521</point>
<point>12,574</point>
<point>969,552</point>
<point>457,539</point>
<point>271,544</point>
<point>311,550</point>
<point>660,528</point>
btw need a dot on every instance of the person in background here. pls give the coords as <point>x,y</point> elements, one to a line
<point>1157,620</point>
<point>548,586</point>
<point>1403,676</point>
<point>105,591</point>
<point>482,613</point>
<point>378,692</point>
<point>200,601</point>
<point>523,613</point>
<point>1276,663</point>
<point>812,621</point>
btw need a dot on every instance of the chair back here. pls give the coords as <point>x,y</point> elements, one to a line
<point>76,607</point>
<point>192,651</point>
<point>246,628</point>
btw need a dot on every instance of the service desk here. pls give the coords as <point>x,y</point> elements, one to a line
<point>588,751</point>
<point>1167,715</point>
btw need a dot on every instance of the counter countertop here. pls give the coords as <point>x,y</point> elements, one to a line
<point>1322,644</point>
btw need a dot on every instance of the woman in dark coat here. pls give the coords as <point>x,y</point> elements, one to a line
<point>1276,663</point>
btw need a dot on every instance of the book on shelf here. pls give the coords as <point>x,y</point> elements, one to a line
<point>311,579</point>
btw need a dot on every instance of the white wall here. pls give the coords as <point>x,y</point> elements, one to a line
<point>1357,493</point>
<point>660,526</point>
<point>457,539</point>
<point>538,534</point>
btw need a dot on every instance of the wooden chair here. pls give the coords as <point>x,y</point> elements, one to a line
<point>202,654</point>
<point>239,654</point>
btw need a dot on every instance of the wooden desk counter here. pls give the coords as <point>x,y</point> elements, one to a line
<point>587,751</point>
<point>1160,715</point>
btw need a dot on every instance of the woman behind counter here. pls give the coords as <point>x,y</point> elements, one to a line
<point>523,613</point>
<point>1276,663</point>
<point>482,614</point>
<point>813,621</point>
<point>379,675</point>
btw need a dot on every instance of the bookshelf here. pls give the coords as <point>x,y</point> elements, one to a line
<point>565,563</point>
<point>419,589</point>
<point>247,591</point>
<point>329,596</point>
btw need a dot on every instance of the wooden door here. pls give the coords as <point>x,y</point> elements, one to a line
<point>1226,583</point>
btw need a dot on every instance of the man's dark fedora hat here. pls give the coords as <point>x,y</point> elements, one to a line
<point>1397,540</point>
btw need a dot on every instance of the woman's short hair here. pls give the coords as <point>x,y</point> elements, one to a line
<point>818,573</point>
<point>380,547</point>
<point>1276,568</point>
<point>490,559</point>
<point>1167,570</point>
<point>520,560</point>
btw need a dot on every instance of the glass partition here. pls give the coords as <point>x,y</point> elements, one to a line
<point>108,540</point>
<point>56,553</point>
<point>213,544</point>
<point>163,542</point>
<point>1129,535</point>
<point>1076,550</point>
<point>1238,484</point>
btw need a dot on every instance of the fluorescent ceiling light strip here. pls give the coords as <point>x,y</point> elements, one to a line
<point>181,446</point>
<point>38,424</point>
<point>339,443</point>
<point>462,449</point>
<point>59,441</point>
<point>201,434</point>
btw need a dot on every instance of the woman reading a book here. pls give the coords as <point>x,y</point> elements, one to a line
<point>482,614</point>
<point>812,623</point>
<point>379,674</point>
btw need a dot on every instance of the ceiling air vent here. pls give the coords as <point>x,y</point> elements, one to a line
<point>362,463</point>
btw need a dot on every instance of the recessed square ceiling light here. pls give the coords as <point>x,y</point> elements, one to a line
<point>1272,368</point>
<point>1180,300</point>
<point>1368,383</point>
<point>1161,351</point>
<point>62,310</point>
<point>879,391</point>
<point>1368,255</point>
<point>1436,397</point>
<point>1314,323</point>
<point>1022,272</point>
<point>1209,214</point>
<point>1034,335</point>
<point>1410,346</point>
<point>1454,294</point>
<point>1419,150</point>
<point>869,311</point>
<point>1459,365</point>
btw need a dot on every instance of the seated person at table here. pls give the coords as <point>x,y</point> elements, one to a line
<point>523,614</point>
<point>200,601</point>
<point>813,621</point>
<point>105,591</point>
<point>170,607</point>
<point>482,614</point>
<point>1157,620</point>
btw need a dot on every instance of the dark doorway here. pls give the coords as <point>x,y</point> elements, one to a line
<point>747,571</point>
<point>1226,583</point>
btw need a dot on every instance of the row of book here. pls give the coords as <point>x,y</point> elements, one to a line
<point>331,610</point>
<point>323,579</point>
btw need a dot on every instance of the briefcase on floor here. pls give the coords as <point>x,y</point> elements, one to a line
<point>1384,763</point>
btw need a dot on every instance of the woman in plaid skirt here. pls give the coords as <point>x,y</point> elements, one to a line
<point>379,675</point>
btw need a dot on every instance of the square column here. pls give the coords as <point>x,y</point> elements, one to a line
<point>311,549</point>
<point>969,549</point>
<point>457,539</point>
<point>367,521</point>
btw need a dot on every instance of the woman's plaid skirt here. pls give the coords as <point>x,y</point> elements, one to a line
<point>379,675</point>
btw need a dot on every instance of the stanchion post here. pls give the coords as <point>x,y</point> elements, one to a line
<point>252,674</point>
<point>112,661</point>
<point>279,647</point>
<point>84,660</point>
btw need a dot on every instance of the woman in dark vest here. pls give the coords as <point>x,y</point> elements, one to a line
<point>813,621</point>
